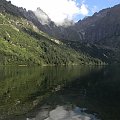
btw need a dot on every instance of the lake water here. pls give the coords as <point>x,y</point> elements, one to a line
<point>60,93</point>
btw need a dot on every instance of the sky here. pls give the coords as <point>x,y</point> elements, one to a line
<point>59,10</point>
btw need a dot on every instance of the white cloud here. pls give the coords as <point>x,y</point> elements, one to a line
<point>84,9</point>
<point>57,10</point>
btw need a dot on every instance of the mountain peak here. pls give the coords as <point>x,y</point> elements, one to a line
<point>41,11</point>
<point>42,16</point>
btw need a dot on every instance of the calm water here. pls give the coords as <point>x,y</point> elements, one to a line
<point>60,93</point>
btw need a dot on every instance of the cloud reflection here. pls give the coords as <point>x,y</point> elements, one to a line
<point>65,113</point>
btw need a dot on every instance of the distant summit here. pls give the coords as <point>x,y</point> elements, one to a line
<point>42,16</point>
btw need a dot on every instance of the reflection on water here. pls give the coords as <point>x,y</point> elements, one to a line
<point>64,113</point>
<point>60,93</point>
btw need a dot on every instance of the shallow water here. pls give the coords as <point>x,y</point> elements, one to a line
<point>60,93</point>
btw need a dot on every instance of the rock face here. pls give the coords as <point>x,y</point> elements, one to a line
<point>42,17</point>
<point>8,7</point>
<point>102,28</point>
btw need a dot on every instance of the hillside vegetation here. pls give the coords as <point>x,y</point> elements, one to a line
<point>21,43</point>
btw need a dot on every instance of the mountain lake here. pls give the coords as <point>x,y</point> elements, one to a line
<point>60,93</point>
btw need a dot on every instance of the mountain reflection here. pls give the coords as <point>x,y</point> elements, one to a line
<point>22,88</point>
<point>60,93</point>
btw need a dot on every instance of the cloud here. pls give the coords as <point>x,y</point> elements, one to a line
<point>57,10</point>
<point>84,10</point>
<point>65,113</point>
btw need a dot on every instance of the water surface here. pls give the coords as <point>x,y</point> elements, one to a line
<point>60,93</point>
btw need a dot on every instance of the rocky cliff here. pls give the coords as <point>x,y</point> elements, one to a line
<point>102,28</point>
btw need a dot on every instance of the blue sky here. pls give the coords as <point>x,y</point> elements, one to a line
<point>95,6</point>
<point>60,10</point>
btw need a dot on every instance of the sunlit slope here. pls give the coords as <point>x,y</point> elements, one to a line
<point>21,43</point>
